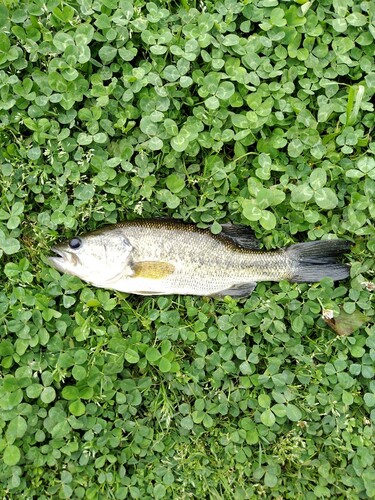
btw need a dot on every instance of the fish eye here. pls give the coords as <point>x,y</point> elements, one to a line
<point>75,243</point>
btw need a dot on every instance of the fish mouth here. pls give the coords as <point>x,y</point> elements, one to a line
<point>57,261</point>
<point>58,253</point>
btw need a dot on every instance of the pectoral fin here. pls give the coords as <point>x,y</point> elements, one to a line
<point>240,290</point>
<point>152,269</point>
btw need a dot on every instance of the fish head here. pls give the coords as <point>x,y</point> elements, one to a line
<point>100,258</point>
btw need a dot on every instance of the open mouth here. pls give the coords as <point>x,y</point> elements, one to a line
<point>57,252</point>
<point>57,260</point>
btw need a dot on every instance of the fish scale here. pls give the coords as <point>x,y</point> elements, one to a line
<point>195,267</point>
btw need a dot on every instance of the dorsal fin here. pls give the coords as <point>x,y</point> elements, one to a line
<point>241,235</point>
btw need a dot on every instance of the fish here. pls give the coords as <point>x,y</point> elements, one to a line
<point>163,257</point>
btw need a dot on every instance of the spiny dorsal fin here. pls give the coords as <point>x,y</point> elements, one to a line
<point>154,270</point>
<point>241,235</point>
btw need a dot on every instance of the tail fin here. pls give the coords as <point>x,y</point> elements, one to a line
<point>315,260</point>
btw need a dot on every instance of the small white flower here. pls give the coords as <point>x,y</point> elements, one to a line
<point>368,285</point>
<point>327,314</point>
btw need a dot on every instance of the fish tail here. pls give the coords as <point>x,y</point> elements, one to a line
<point>315,260</point>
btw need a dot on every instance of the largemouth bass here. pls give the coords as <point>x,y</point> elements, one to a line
<point>160,257</point>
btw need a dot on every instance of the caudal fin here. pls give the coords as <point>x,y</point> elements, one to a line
<point>316,260</point>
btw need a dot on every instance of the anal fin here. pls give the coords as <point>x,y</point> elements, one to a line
<point>152,269</point>
<point>239,290</point>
